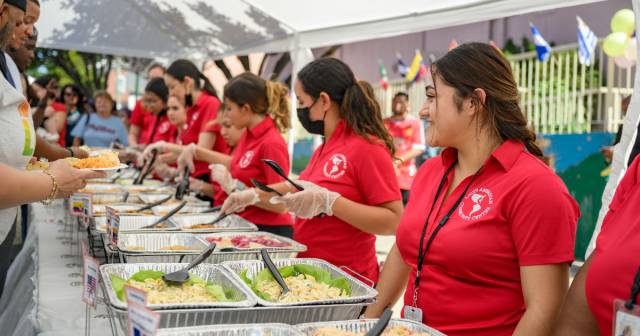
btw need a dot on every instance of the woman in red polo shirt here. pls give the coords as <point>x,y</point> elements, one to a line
<point>154,99</point>
<point>350,190</point>
<point>486,240</point>
<point>608,274</point>
<point>262,108</point>
<point>194,90</point>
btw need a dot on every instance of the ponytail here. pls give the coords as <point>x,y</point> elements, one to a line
<point>262,96</point>
<point>278,105</point>
<point>362,113</point>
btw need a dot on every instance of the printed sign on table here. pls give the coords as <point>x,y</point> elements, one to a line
<point>142,321</point>
<point>80,205</point>
<point>113,225</point>
<point>90,282</point>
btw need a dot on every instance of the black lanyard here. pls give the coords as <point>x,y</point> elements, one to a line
<point>423,253</point>
<point>635,290</point>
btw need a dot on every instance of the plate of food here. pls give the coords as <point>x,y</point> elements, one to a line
<point>208,286</point>
<point>101,161</point>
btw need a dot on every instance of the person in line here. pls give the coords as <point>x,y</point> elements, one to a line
<point>142,120</point>
<point>102,128</point>
<point>17,145</point>
<point>261,107</point>
<point>408,137</point>
<point>609,273</point>
<point>67,113</point>
<point>486,240</point>
<point>195,92</point>
<point>350,190</point>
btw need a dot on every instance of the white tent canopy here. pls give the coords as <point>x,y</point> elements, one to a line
<point>213,28</point>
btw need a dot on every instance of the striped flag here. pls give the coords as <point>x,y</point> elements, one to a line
<point>542,47</point>
<point>587,42</point>
<point>417,68</point>
<point>400,66</point>
<point>384,79</point>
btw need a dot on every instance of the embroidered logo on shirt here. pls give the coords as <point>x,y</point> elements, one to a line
<point>245,160</point>
<point>336,166</point>
<point>476,204</point>
<point>164,127</point>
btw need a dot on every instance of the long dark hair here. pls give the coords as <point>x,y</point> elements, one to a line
<point>477,65</point>
<point>358,109</point>
<point>264,97</point>
<point>78,91</point>
<point>182,68</point>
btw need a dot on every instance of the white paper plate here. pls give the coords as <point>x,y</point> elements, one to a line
<point>121,166</point>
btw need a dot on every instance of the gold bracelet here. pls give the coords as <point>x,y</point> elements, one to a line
<point>54,189</point>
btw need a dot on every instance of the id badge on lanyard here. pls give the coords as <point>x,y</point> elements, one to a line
<point>626,314</point>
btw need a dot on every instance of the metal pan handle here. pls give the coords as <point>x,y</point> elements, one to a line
<point>361,277</point>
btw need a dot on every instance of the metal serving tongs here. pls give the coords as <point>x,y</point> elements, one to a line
<point>165,217</point>
<point>268,263</point>
<point>182,276</point>
<point>276,168</point>
<point>382,323</point>
<point>184,184</point>
<point>146,169</point>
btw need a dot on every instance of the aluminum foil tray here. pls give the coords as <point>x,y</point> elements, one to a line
<point>233,330</point>
<point>122,209</point>
<point>178,318</point>
<point>233,223</point>
<point>212,273</point>
<point>360,291</point>
<point>190,208</point>
<point>362,326</point>
<point>253,253</point>
<point>155,242</point>
<point>133,224</point>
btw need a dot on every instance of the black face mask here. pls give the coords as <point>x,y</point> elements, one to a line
<point>313,127</point>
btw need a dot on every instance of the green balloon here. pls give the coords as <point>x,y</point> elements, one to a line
<point>623,21</point>
<point>615,44</point>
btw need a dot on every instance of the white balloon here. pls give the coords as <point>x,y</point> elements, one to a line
<point>631,50</point>
<point>623,62</point>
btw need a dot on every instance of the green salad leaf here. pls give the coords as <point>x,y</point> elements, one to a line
<point>118,286</point>
<point>141,276</point>
<point>218,292</point>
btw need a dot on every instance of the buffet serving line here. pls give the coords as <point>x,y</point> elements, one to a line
<point>99,263</point>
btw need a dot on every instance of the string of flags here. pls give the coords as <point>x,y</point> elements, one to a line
<point>620,44</point>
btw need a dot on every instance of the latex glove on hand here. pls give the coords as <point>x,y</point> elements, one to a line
<point>310,202</point>
<point>160,146</point>
<point>186,158</point>
<point>221,175</point>
<point>165,172</point>
<point>240,200</point>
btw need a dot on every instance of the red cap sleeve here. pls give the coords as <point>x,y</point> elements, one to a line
<point>278,153</point>
<point>376,176</point>
<point>543,218</point>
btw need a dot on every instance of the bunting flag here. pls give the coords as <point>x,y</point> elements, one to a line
<point>400,66</point>
<point>587,42</point>
<point>453,44</point>
<point>417,69</point>
<point>384,79</point>
<point>543,49</point>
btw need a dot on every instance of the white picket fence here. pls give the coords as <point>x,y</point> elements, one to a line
<point>559,96</point>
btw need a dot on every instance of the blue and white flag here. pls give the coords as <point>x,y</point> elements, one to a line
<point>587,42</point>
<point>542,47</point>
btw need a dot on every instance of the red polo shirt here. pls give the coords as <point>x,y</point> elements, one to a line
<point>361,171</point>
<point>615,259</point>
<point>199,118</point>
<point>516,212</point>
<point>264,141</point>
<point>61,108</point>
<point>144,120</point>
<point>164,131</point>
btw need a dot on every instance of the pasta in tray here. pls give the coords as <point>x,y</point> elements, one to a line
<point>306,284</point>
<point>195,290</point>
<point>302,288</point>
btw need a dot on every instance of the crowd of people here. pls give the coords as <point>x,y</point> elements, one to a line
<point>485,231</point>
